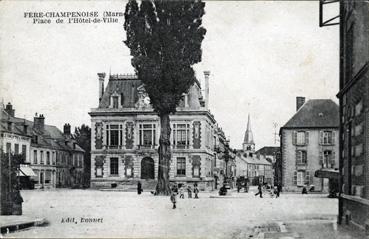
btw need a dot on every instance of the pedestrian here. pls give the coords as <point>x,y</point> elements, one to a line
<point>173,198</point>
<point>189,191</point>
<point>260,191</point>
<point>304,190</point>
<point>196,190</point>
<point>139,188</point>
<point>181,192</point>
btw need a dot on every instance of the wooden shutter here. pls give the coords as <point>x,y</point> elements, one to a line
<point>321,136</point>
<point>307,177</point>
<point>320,158</point>
<point>333,137</point>
<point>306,137</point>
<point>297,156</point>
<point>294,137</point>
<point>295,178</point>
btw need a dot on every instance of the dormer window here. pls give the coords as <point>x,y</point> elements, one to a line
<point>115,100</point>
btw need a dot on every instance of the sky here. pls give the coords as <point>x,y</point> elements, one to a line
<point>261,55</point>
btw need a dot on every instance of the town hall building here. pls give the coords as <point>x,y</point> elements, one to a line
<point>125,137</point>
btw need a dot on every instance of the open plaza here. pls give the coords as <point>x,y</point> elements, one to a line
<point>93,213</point>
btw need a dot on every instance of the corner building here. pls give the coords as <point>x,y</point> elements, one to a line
<point>125,137</point>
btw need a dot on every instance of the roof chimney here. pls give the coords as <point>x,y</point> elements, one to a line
<point>299,102</point>
<point>66,129</point>
<point>9,109</point>
<point>39,122</point>
<point>207,74</point>
<point>101,85</point>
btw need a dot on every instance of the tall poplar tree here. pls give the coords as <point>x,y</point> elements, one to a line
<point>165,39</point>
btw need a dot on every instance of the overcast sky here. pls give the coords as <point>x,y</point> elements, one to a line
<point>261,56</point>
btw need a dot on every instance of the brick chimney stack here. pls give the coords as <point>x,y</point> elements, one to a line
<point>9,109</point>
<point>207,74</point>
<point>39,122</point>
<point>101,85</point>
<point>66,129</point>
<point>299,102</point>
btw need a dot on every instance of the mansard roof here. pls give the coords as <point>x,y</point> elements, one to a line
<point>319,113</point>
<point>127,87</point>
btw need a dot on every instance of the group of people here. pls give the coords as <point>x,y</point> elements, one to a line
<point>273,191</point>
<point>175,190</point>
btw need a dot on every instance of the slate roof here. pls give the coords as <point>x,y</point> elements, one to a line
<point>319,113</point>
<point>51,137</point>
<point>126,86</point>
<point>252,160</point>
<point>268,150</point>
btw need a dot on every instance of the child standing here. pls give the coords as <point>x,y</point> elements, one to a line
<point>173,198</point>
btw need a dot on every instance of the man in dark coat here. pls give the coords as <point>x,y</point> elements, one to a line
<point>260,191</point>
<point>139,187</point>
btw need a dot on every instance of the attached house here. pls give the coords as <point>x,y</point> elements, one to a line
<point>309,142</point>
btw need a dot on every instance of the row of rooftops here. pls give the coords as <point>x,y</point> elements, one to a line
<point>41,134</point>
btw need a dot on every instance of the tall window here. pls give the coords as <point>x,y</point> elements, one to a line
<point>181,135</point>
<point>327,157</point>
<point>114,135</point>
<point>48,158</point>
<point>301,157</point>
<point>16,148</point>
<point>181,166</point>
<point>53,158</point>
<point>326,137</point>
<point>24,151</point>
<point>300,178</point>
<point>113,166</point>
<point>147,135</point>
<point>301,139</point>
<point>41,157</point>
<point>35,156</point>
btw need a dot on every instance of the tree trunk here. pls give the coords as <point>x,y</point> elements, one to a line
<point>163,187</point>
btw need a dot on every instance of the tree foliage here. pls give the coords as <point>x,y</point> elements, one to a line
<point>165,39</point>
<point>82,135</point>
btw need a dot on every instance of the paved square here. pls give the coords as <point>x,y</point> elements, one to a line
<point>126,214</point>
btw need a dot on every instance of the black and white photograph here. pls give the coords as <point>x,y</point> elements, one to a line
<point>184,119</point>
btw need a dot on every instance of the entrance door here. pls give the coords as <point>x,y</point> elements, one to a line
<point>147,168</point>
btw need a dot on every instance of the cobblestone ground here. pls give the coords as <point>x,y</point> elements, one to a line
<point>126,214</point>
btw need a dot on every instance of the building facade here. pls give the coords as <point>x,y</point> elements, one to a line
<point>125,137</point>
<point>309,142</point>
<point>354,111</point>
<point>41,145</point>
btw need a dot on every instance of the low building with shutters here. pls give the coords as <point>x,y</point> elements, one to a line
<point>309,142</point>
<point>125,137</point>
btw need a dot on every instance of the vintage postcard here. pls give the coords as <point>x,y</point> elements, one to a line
<point>184,119</point>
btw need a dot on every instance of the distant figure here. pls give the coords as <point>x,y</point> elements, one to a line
<point>181,192</point>
<point>260,191</point>
<point>173,198</point>
<point>139,187</point>
<point>304,190</point>
<point>196,190</point>
<point>223,191</point>
<point>277,191</point>
<point>189,192</point>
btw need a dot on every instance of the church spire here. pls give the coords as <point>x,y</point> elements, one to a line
<point>248,142</point>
